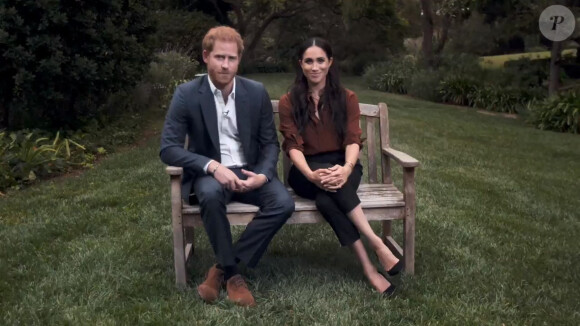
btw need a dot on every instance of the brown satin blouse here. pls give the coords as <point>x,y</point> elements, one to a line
<point>319,136</point>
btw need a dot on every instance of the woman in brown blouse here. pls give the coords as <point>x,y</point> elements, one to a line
<point>319,120</point>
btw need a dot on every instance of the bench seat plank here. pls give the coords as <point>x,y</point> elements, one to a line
<point>371,196</point>
<point>375,198</point>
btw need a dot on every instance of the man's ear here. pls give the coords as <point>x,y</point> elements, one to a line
<point>205,56</point>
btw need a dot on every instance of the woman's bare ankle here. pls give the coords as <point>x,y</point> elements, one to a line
<point>386,257</point>
<point>378,281</point>
<point>377,244</point>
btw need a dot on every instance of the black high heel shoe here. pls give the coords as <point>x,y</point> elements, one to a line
<point>390,291</point>
<point>396,269</point>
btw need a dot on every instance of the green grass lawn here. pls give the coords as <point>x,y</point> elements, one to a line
<point>497,61</point>
<point>498,228</point>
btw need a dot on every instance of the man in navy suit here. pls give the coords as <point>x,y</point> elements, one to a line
<point>232,155</point>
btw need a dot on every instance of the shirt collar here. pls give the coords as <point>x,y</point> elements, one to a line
<point>215,90</point>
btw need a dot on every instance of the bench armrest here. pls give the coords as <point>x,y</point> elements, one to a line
<point>174,170</point>
<point>403,159</point>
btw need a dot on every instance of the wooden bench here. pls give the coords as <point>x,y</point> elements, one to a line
<point>381,200</point>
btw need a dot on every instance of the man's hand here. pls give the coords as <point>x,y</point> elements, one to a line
<point>336,178</point>
<point>253,181</point>
<point>226,177</point>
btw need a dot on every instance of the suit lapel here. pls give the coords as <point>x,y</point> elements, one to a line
<point>243,115</point>
<point>209,112</point>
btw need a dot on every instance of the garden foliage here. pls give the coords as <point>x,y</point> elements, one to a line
<point>26,156</point>
<point>558,113</point>
<point>61,60</point>
<point>460,80</point>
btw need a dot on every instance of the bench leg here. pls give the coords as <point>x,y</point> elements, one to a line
<point>189,233</point>
<point>179,256</point>
<point>409,222</point>
<point>389,241</point>
<point>178,236</point>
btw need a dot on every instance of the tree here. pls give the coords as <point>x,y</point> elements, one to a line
<point>555,59</point>
<point>372,31</point>
<point>427,23</point>
<point>61,60</point>
<point>182,31</point>
<point>253,17</point>
<point>250,18</point>
<point>442,13</point>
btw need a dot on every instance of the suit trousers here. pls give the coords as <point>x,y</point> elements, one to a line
<point>332,205</point>
<point>276,206</point>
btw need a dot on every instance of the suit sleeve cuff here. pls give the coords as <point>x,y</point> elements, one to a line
<point>206,166</point>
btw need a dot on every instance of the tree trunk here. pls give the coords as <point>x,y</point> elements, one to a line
<point>555,68</point>
<point>446,23</point>
<point>426,6</point>
<point>249,51</point>
<point>241,23</point>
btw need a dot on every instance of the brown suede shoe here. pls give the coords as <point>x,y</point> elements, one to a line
<point>209,290</point>
<point>238,291</point>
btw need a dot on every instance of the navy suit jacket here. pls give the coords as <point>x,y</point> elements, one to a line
<point>193,112</point>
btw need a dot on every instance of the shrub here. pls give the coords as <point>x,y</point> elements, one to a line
<point>558,113</point>
<point>182,31</point>
<point>168,70</point>
<point>461,64</point>
<point>525,72</point>
<point>460,80</point>
<point>372,74</point>
<point>391,76</point>
<point>504,99</point>
<point>26,156</point>
<point>473,35</point>
<point>457,89</point>
<point>424,84</point>
<point>60,61</point>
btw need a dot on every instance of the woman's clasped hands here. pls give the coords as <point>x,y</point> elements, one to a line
<point>332,178</point>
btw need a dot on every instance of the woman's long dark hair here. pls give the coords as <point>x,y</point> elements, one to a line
<point>334,96</point>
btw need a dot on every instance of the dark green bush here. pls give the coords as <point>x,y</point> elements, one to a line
<point>460,80</point>
<point>167,71</point>
<point>392,76</point>
<point>525,72</point>
<point>495,98</point>
<point>461,64</point>
<point>61,60</point>
<point>133,107</point>
<point>424,84</point>
<point>558,113</point>
<point>182,31</point>
<point>457,89</point>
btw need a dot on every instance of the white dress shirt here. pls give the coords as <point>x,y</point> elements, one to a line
<point>232,153</point>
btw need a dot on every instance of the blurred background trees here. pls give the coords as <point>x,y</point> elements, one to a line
<point>62,63</point>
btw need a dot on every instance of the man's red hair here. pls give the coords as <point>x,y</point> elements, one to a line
<point>224,34</point>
